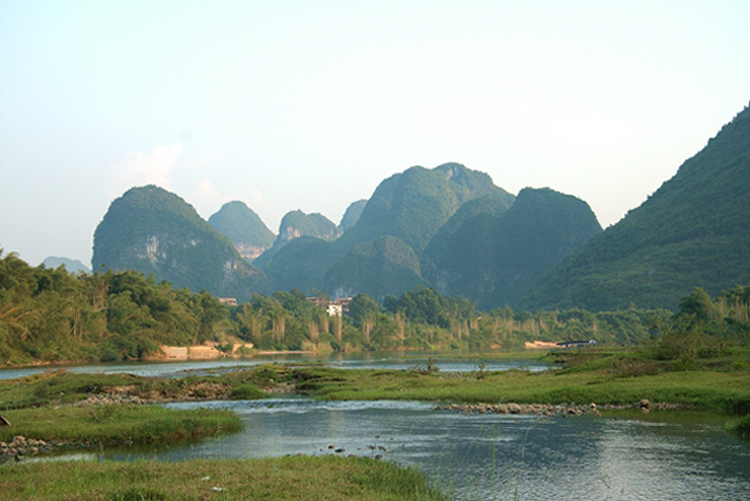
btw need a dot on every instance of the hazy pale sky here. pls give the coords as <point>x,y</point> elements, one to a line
<point>310,104</point>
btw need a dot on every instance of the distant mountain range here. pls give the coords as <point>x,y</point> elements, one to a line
<point>451,228</point>
<point>73,265</point>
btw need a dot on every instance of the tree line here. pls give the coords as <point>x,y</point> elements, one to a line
<point>51,315</point>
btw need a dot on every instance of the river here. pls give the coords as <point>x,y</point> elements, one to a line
<point>622,456</point>
<point>361,360</point>
<point>483,457</point>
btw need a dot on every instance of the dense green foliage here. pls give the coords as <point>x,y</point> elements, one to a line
<point>156,232</point>
<point>379,254</point>
<point>494,256</point>
<point>296,223</point>
<point>414,204</point>
<point>351,216</point>
<point>705,328</point>
<point>384,266</point>
<point>693,231</point>
<point>50,315</point>
<point>243,227</point>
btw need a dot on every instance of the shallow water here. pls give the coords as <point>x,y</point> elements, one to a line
<point>367,360</point>
<point>493,456</point>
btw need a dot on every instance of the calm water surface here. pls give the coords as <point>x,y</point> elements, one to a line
<point>369,360</point>
<point>491,456</point>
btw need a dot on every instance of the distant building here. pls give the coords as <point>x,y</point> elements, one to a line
<point>335,308</point>
<point>319,301</point>
<point>344,303</point>
<point>231,301</point>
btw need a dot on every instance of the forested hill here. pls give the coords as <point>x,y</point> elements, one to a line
<point>379,254</point>
<point>249,234</point>
<point>694,231</point>
<point>352,214</point>
<point>156,232</point>
<point>494,256</point>
<point>294,225</point>
<point>413,205</point>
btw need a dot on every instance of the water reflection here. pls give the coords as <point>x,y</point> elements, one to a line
<point>493,456</point>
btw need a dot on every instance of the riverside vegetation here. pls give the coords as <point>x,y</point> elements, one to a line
<point>52,316</point>
<point>695,358</point>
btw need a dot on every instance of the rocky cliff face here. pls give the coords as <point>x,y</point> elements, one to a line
<point>155,232</point>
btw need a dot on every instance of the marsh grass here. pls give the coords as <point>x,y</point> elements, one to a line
<point>117,424</point>
<point>287,478</point>
<point>723,391</point>
<point>59,387</point>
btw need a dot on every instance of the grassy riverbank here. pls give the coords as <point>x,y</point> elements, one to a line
<point>728,392</point>
<point>601,377</point>
<point>289,478</point>
<point>116,424</point>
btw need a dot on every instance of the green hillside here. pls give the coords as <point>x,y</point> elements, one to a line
<point>73,265</point>
<point>296,224</point>
<point>301,264</point>
<point>409,207</point>
<point>352,214</point>
<point>494,255</point>
<point>386,266</point>
<point>694,231</point>
<point>413,205</point>
<point>249,234</point>
<point>156,232</point>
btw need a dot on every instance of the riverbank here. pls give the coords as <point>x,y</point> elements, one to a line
<point>299,478</point>
<point>40,430</point>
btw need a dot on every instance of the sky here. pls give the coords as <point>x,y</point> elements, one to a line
<point>310,104</point>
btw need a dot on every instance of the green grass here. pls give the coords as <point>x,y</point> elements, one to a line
<point>117,424</point>
<point>741,427</point>
<point>288,478</point>
<point>59,387</point>
<point>724,391</point>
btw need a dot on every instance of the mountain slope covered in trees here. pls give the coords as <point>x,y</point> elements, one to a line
<point>296,224</point>
<point>413,205</point>
<point>694,231</point>
<point>408,208</point>
<point>156,232</point>
<point>494,256</point>
<point>352,214</point>
<point>240,224</point>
